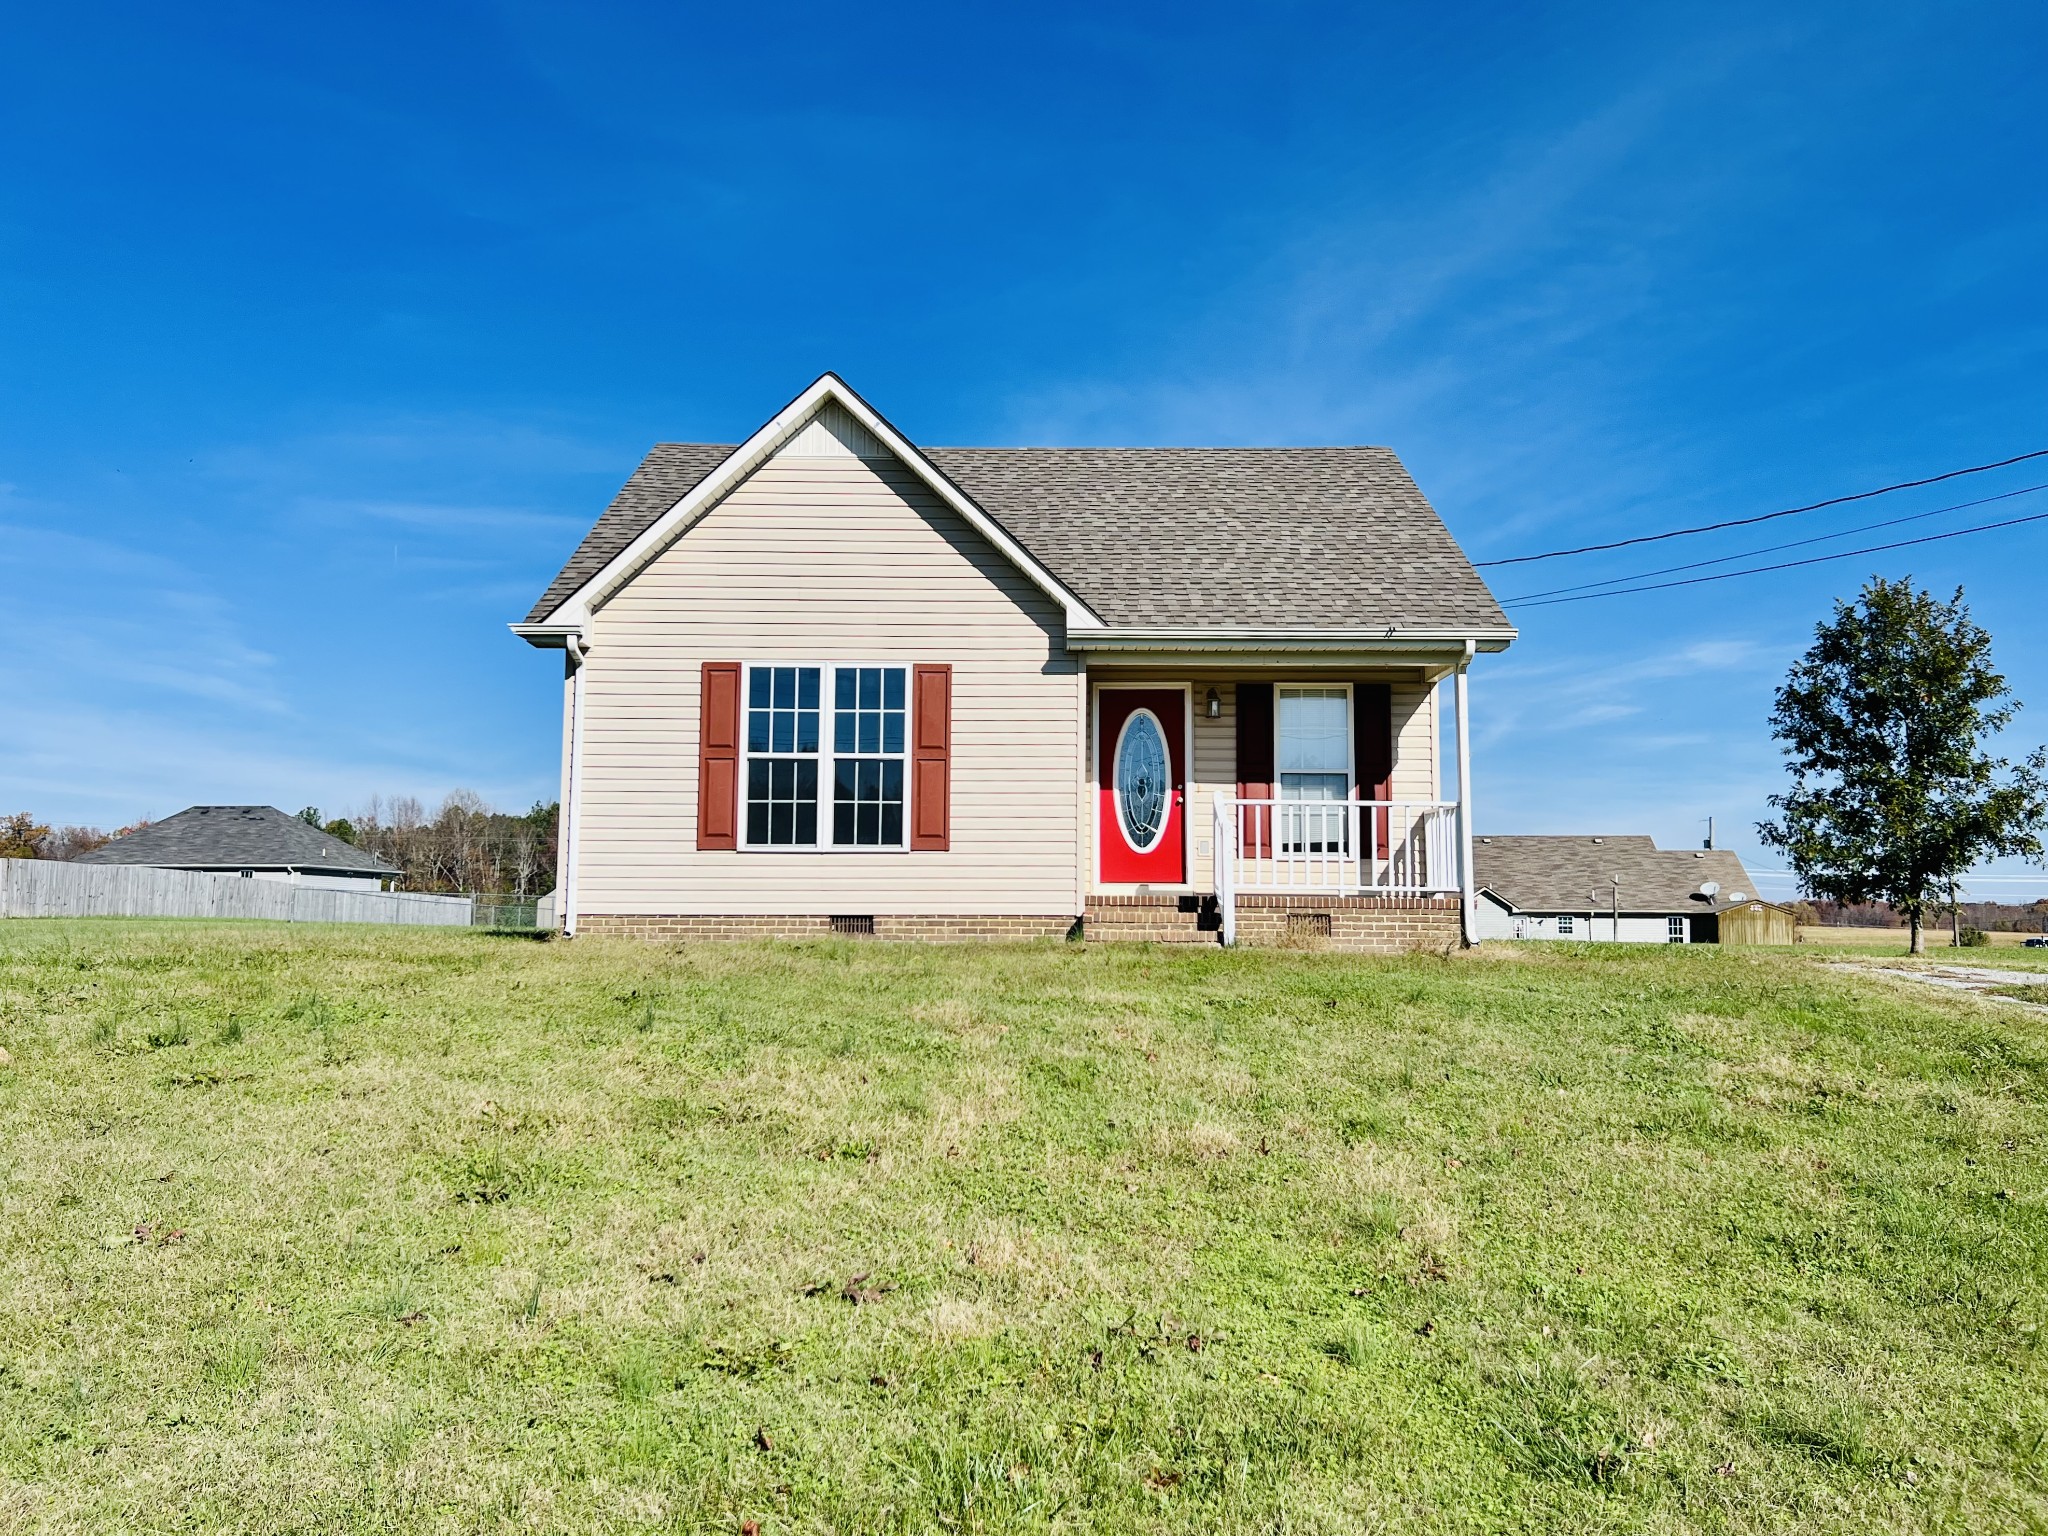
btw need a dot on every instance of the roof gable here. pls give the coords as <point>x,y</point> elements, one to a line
<point>828,413</point>
<point>237,837</point>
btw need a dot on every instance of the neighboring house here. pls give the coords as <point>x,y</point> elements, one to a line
<point>827,680</point>
<point>258,841</point>
<point>1619,888</point>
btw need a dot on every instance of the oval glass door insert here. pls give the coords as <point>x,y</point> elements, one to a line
<point>1140,781</point>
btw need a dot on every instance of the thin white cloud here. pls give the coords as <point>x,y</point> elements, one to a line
<point>436,516</point>
<point>105,613</point>
<point>1524,699</point>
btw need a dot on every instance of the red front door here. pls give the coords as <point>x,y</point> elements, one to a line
<point>1141,773</point>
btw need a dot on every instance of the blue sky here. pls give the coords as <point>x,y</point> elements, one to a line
<point>324,333</point>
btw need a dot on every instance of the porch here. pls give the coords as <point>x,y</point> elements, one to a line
<point>1279,800</point>
<point>1321,852</point>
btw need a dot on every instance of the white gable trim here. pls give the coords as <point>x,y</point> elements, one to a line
<point>575,609</point>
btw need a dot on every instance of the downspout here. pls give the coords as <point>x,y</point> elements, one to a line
<point>572,810</point>
<point>1467,914</point>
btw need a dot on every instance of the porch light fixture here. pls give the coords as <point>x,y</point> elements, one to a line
<point>1213,705</point>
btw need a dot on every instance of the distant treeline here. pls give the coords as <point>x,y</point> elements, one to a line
<point>23,837</point>
<point>1989,916</point>
<point>463,846</point>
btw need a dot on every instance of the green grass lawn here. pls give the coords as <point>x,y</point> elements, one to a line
<point>353,1229</point>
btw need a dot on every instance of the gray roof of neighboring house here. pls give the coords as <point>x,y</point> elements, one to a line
<point>237,837</point>
<point>1576,874</point>
<point>1169,538</point>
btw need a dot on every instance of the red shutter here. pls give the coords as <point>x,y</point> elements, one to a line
<point>1255,765</point>
<point>931,759</point>
<point>1372,745</point>
<point>718,757</point>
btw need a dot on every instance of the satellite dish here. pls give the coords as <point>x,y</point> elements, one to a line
<point>1738,895</point>
<point>1711,889</point>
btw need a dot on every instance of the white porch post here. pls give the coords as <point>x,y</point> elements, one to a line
<point>1465,884</point>
<point>1223,830</point>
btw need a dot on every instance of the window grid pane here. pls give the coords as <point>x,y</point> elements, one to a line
<point>785,744</point>
<point>867,802</point>
<point>782,709</point>
<point>868,715</point>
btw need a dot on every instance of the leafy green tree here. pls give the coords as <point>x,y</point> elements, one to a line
<point>1893,797</point>
<point>310,815</point>
<point>342,828</point>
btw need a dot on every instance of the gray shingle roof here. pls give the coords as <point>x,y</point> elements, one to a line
<point>668,474</point>
<point>1194,538</point>
<point>237,837</point>
<point>1562,874</point>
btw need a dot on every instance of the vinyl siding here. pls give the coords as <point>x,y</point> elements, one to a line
<point>830,557</point>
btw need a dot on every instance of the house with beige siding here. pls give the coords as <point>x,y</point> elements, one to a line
<point>829,680</point>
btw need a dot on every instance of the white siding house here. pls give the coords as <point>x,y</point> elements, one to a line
<point>826,680</point>
<point>1603,889</point>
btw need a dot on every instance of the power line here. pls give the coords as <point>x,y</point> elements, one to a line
<point>1787,565</point>
<point>1772,549</point>
<point>1765,517</point>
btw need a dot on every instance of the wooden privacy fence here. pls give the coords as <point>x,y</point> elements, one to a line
<point>49,888</point>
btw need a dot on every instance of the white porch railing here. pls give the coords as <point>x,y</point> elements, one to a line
<point>1332,848</point>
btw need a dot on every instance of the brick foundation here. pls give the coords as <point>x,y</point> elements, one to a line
<point>936,929</point>
<point>1365,925</point>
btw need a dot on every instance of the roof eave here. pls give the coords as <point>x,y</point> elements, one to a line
<point>1328,647</point>
<point>547,637</point>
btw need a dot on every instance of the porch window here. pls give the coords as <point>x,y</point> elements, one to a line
<point>1674,930</point>
<point>813,727</point>
<point>1565,925</point>
<point>1312,757</point>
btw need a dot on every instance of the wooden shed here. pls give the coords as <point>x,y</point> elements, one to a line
<point>1755,922</point>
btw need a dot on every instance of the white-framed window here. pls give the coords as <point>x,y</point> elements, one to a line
<point>1566,926</point>
<point>1312,761</point>
<point>825,749</point>
<point>1674,930</point>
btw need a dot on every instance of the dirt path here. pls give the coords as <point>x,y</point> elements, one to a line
<point>1979,980</point>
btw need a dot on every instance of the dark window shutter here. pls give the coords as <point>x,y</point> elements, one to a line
<point>931,759</point>
<point>1255,740</point>
<point>1255,765</point>
<point>1372,747</point>
<point>1372,731</point>
<point>718,756</point>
